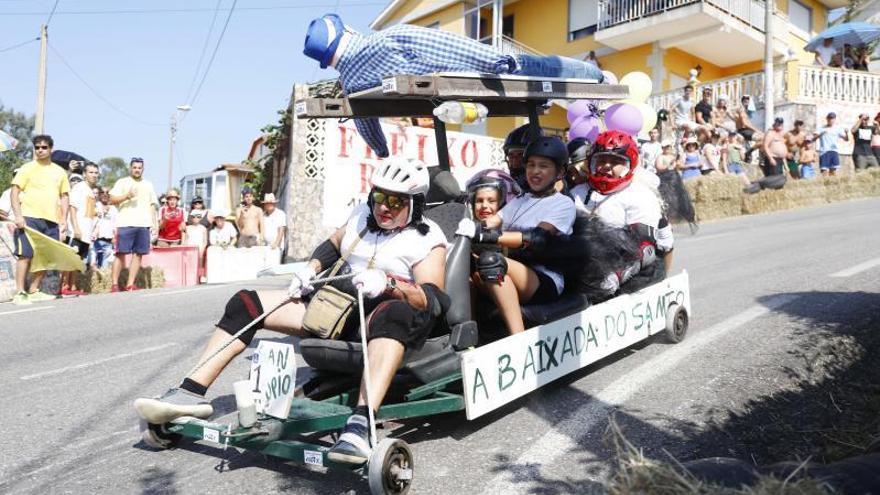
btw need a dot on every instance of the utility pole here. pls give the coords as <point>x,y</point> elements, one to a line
<point>41,90</point>
<point>174,116</point>
<point>769,83</point>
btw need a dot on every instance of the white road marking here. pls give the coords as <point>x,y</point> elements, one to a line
<point>181,291</point>
<point>95,363</point>
<point>849,272</point>
<point>26,310</point>
<point>565,435</point>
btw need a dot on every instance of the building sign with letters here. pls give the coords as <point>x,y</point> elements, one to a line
<point>349,162</point>
<point>502,371</point>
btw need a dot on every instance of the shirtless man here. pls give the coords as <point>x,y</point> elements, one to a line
<point>745,128</point>
<point>722,117</point>
<point>249,220</point>
<point>794,141</point>
<point>774,149</point>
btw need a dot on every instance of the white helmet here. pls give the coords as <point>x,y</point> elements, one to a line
<point>402,175</point>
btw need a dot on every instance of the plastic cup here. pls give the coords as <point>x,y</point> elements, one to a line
<point>244,401</point>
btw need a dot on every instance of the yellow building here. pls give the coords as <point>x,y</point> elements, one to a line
<point>663,38</point>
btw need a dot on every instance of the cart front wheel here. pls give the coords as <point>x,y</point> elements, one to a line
<point>391,468</point>
<point>676,323</point>
<point>157,437</point>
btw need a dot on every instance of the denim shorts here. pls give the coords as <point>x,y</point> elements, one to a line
<point>23,248</point>
<point>133,240</point>
<point>829,160</point>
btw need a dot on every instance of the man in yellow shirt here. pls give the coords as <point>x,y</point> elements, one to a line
<point>37,191</point>
<point>136,200</point>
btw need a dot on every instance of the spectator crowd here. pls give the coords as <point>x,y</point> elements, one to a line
<point>107,223</point>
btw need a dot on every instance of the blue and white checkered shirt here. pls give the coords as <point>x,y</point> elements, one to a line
<point>406,49</point>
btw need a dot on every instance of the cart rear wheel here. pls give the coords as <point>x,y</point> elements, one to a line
<point>157,437</point>
<point>391,468</point>
<point>676,323</point>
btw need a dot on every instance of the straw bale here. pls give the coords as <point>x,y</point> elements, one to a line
<point>98,281</point>
<point>715,196</point>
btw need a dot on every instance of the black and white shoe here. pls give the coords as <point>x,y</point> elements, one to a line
<point>353,446</point>
<point>173,404</point>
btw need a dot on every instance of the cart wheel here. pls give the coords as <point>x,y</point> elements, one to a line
<point>391,467</point>
<point>676,323</point>
<point>155,436</point>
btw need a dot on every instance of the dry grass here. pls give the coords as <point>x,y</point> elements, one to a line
<point>98,281</point>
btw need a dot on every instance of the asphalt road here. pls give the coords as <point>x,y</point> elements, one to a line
<point>69,370</point>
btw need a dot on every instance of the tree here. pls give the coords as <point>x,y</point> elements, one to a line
<point>112,168</point>
<point>21,127</point>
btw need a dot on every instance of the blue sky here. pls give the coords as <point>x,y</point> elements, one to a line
<point>144,64</point>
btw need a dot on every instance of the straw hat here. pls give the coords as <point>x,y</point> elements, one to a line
<point>269,198</point>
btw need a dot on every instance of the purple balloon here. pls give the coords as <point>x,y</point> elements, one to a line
<point>585,127</point>
<point>624,117</point>
<point>578,109</point>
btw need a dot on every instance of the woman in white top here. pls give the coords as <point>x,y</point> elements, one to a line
<point>525,222</point>
<point>399,263</point>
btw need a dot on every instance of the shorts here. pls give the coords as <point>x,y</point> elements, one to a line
<point>247,241</point>
<point>772,166</point>
<point>735,168</point>
<point>746,133</point>
<point>829,160</point>
<point>689,123</point>
<point>863,161</point>
<point>133,240</point>
<point>807,171</point>
<point>793,166</point>
<point>546,291</point>
<point>82,248</point>
<point>23,248</point>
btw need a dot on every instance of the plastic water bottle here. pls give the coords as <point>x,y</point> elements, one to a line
<point>461,112</point>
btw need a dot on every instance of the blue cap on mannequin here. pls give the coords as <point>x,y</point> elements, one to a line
<point>323,37</point>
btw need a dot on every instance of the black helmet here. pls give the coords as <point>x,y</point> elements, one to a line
<point>519,138</point>
<point>197,199</point>
<point>578,150</point>
<point>551,147</point>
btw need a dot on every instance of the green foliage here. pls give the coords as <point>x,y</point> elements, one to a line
<point>112,168</point>
<point>21,127</point>
<point>276,139</point>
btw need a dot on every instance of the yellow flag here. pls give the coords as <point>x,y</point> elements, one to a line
<point>50,254</point>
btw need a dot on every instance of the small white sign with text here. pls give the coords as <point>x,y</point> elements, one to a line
<point>273,375</point>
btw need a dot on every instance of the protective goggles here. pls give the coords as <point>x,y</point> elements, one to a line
<point>393,201</point>
<point>604,162</point>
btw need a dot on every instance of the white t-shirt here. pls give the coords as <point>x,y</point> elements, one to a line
<point>137,211</point>
<point>271,223</point>
<point>635,204</point>
<point>396,253</point>
<point>711,157</point>
<point>6,203</point>
<point>80,196</point>
<point>105,223</point>
<point>526,212</point>
<point>196,235</point>
<point>825,53</point>
<point>223,235</point>
<point>649,152</point>
<point>681,111</point>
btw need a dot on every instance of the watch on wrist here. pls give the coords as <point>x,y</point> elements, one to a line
<point>390,284</point>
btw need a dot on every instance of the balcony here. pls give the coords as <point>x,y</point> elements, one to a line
<point>723,32</point>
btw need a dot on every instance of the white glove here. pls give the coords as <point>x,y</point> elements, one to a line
<point>301,283</point>
<point>467,228</point>
<point>371,282</point>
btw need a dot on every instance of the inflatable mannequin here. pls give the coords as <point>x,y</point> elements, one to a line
<point>363,60</point>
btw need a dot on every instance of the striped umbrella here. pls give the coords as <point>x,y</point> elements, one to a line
<point>849,33</point>
<point>7,142</point>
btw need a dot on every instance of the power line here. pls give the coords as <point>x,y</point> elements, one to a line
<point>213,54</point>
<point>99,95</point>
<point>186,10</point>
<point>19,44</point>
<point>53,12</point>
<point>195,77</point>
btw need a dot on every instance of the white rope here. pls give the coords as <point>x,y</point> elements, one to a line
<point>370,416</point>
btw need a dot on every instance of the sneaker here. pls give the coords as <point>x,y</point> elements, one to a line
<point>21,299</point>
<point>173,404</point>
<point>40,296</point>
<point>353,446</point>
<point>114,288</point>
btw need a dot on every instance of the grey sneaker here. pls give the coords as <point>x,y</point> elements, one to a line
<point>40,296</point>
<point>353,446</point>
<point>173,404</point>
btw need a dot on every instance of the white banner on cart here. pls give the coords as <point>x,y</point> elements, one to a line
<point>349,162</point>
<point>502,371</point>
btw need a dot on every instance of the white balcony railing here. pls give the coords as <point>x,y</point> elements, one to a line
<point>818,83</point>
<point>614,12</point>
<point>735,87</point>
<point>511,46</point>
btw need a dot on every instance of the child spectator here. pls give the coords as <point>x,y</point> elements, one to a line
<point>712,154</point>
<point>690,162</point>
<point>222,234</point>
<point>196,235</point>
<point>101,254</point>
<point>808,159</point>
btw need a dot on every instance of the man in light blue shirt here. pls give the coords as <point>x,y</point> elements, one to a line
<point>829,159</point>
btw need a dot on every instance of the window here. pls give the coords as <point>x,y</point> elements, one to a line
<point>583,15</point>
<point>507,26</point>
<point>800,16</point>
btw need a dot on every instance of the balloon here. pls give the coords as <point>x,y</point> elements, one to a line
<point>578,109</point>
<point>640,85</point>
<point>585,127</point>
<point>649,115</point>
<point>624,117</point>
<point>610,78</point>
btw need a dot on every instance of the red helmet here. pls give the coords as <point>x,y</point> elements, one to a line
<point>617,146</point>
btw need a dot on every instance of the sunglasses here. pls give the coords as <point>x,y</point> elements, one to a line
<point>392,201</point>
<point>41,147</point>
<point>136,159</point>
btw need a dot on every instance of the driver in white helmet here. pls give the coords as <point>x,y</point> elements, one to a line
<point>399,260</point>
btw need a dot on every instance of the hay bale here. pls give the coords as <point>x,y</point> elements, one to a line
<point>715,196</point>
<point>98,281</point>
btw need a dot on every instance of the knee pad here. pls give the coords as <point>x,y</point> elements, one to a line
<point>492,266</point>
<point>242,308</point>
<point>392,320</point>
